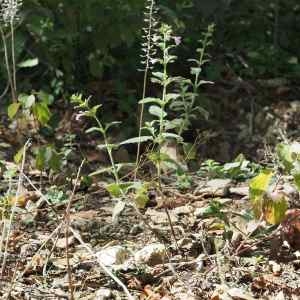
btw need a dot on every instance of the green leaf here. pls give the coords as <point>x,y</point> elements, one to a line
<point>137,140</point>
<point>47,158</point>
<point>108,147</point>
<point>196,71</point>
<point>102,171</point>
<point>189,151</point>
<point>285,156</point>
<point>111,124</point>
<point>45,97</point>
<point>158,75</point>
<point>172,136</point>
<point>296,174</point>
<point>94,129</point>
<point>172,96</point>
<point>29,101</point>
<point>274,208</point>
<point>13,109</point>
<point>157,111</point>
<point>29,63</point>
<point>19,155</point>
<point>42,113</point>
<point>258,187</point>
<point>118,190</point>
<point>55,161</point>
<point>151,100</point>
<point>141,198</point>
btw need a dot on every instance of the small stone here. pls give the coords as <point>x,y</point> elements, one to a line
<point>183,210</point>
<point>237,293</point>
<point>115,255</point>
<point>61,243</point>
<point>103,294</point>
<point>136,229</point>
<point>185,243</point>
<point>151,255</point>
<point>84,220</point>
<point>185,296</point>
<point>200,212</point>
<point>240,190</point>
<point>275,267</point>
<point>160,217</point>
<point>217,188</point>
<point>225,201</point>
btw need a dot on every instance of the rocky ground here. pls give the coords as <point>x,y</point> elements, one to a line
<point>214,250</point>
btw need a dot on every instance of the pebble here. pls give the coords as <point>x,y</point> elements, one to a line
<point>115,255</point>
<point>151,255</point>
<point>103,294</point>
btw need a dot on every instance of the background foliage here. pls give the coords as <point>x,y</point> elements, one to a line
<point>93,46</point>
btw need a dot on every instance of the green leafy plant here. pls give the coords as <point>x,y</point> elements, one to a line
<point>118,189</point>
<point>183,180</point>
<point>185,104</point>
<point>85,110</point>
<point>148,53</point>
<point>35,105</point>
<point>47,158</point>
<point>289,160</point>
<point>56,196</point>
<point>159,128</point>
<point>239,169</point>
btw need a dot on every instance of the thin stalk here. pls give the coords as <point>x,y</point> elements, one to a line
<point>195,86</point>
<point>112,161</point>
<point>146,71</point>
<point>67,223</point>
<point>13,210</point>
<point>7,65</point>
<point>12,30</point>
<point>161,129</point>
<point>141,120</point>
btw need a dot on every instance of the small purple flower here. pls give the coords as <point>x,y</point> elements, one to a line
<point>177,40</point>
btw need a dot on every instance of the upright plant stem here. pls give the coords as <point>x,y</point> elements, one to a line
<point>12,30</point>
<point>111,158</point>
<point>7,65</point>
<point>67,222</point>
<point>161,130</point>
<point>13,209</point>
<point>146,71</point>
<point>141,120</point>
<point>195,86</point>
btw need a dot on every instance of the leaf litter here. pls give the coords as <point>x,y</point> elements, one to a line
<point>223,252</point>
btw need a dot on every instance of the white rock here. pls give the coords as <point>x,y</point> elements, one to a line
<point>62,242</point>
<point>240,190</point>
<point>114,255</point>
<point>183,210</point>
<point>103,294</point>
<point>217,187</point>
<point>151,255</point>
<point>160,217</point>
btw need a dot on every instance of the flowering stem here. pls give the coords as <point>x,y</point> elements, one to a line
<point>146,71</point>
<point>10,80</point>
<point>13,55</point>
